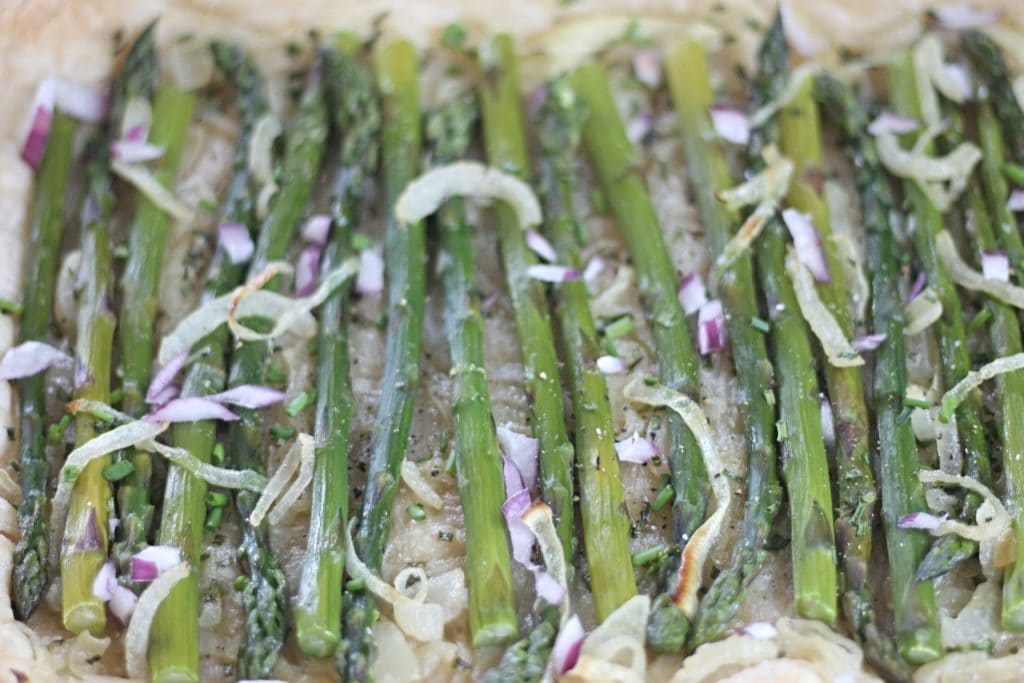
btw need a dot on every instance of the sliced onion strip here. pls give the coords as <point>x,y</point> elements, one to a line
<point>143,180</point>
<point>838,350</point>
<point>277,483</point>
<point>967,277</point>
<point>955,396</point>
<point>30,358</point>
<point>136,639</point>
<point>307,451</point>
<point>635,449</point>
<point>541,523</point>
<point>412,478</point>
<point>523,452</point>
<point>922,311</point>
<point>235,240</point>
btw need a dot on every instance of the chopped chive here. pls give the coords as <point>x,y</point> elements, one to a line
<point>354,585</point>
<point>619,327</point>
<point>299,403</point>
<point>241,582</point>
<point>449,465</point>
<point>454,36</point>
<point>760,324</point>
<point>909,402</point>
<point>57,429</point>
<point>275,373</point>
<point>71,474</point>
<point>381,321</point>
<point>119,252</point>
<point>598,202</point>
<point>11,307</point>
<point>645,557</point>
<point>609,348</point>
<point>980,319</point>
<point>216,499</point>
<point>781,430</point>
<point>118,470</point>
<point>1014,173</point>
<point>416,512</point>
<point>218,454</point>
<point>214,518</point>
<point>360,241</point>
<point>116,395</point>
<point>442,442</point>
<point>664,496</point>
<point>282,432</point>
<point>651,381</point>
<point>207,205</point>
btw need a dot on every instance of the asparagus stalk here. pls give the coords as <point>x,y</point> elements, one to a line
<point>31,573</point>
<point>708,172</point>
<point>264,595</point>
<point>84,547</point>
<point>405,246</point>
<point>801,142</point>
<point>605,524</point>
<point>913,602</point>
<point>1006,338</point>
<point>140,283</point>
<point>947,551</point>
<point>505,142</point>
<point>990,67</point>
<point>174,639</point>
<point>805,465</point>
<point>613,159</point>
<point>356,123</point>
<point>526,661</point>
<point>492,611</point>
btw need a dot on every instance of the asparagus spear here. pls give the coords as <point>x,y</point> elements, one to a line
<point>31,573</point>
<point>405,246</point>
<point>264,594</point>
<point>1006,337</point>
<point>605,524</point>
<point>805,465</point>
<point>526,660</point>
<point>613,159</point>
<point>708,173</point>
<point>801,142</point>
<point>174,639</point>
<point>85,540</point>
<point>946,552</point>
<point>140,282</point>
<point>505,142</point>
<point>990,67</point>
<point>492,611</point>
<point>913,601</point>
<point>356,123</point>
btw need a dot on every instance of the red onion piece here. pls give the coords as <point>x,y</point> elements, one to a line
<point>307,270</point>
<point>512,477</point>
<point>807,243</point>
<point>316,229</point>
<point>137,133</point>
<point>828,423</point>
<point>156,394</point>
<point>593,269</point>
<point>889,122</point>
<point>250,396</point>
<point>919,282</point>
<point>1016,201</point>
<point>761,630</point>
<point>371,272</point>
<point>711,327</point>
<point>522,451</point>
<point>610,365</point>
<point>639,127</point>
<point>920,520</point>
<point>520,536</point>
<point>76,100</point>
<point>566,650</point>
<point>30,358</point>
<point>35,142</point>
<point>134,152</point>
<point>540,246</point>
<point>995,265</point>
<point>170,392</point>
<point>868,342</point>
<point>122,603</point>
<point>191,409</point>
<point>144,570</point>
<point>692,293</point>
<point>963,15</point>
<point>155,559</point>
<point>235,240</point>
<point>551,273</point>
<point>647,67</point>
<point>636,449</point>
<point>105,581</point>
<point>731,124</point>
<point>548,589</point>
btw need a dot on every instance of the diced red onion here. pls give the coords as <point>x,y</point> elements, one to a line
<point>636,449</point>
<point>548,589</point>
<point>593,269</point>
<point>1016,201</point>
<point>540,246</point>
<point>828,424</point>
<point>144,570</point>
<point>889,122</point>
<point>137,133</point>
<point>316,229</point>
<point>760,630</point>
<point>307,270</point>
<point>133,152</point>
<point>920,520</point>
<point>522,451</point>
<point>536,99</point>
<point>647,67</point>
<point>566,650</point>
<point>235,240</point>
<point>168,393</point>
<point>611,365</point>
<point>520,536</point>
<point>122,603</point>
<point>30,358</point>
<point>731,124</point>
<point>155,560</point>
<point>995,265</point>
<point>711,327</point>
<point>76,100</point>
<point>191,409</point>
<point>640,126</point>
<point>692,293</point>
<point>156,394</point>
<point>250,396</point>
<point>807,243</point>
<point>919,282</point>
<point>868,342</point>
<point>512,476</point>
<point>551,273</point>
<point>106,579</point>
<point>371,273</point>
<point>35,142</point>
<point>963,15</point>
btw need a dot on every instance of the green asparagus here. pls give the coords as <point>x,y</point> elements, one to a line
<point>804,465</point>
<point>990,67</point>
<point>356,122</point>
<point>708,173</point>
<point>174,640</point>
<point>397,73</point>
<point>506,146</point>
